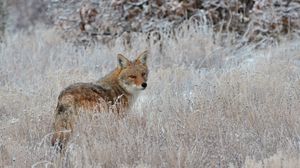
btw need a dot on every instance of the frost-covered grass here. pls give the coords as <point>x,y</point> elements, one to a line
<point>207,104</point>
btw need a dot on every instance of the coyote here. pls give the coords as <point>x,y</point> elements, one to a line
<point>114,92</point>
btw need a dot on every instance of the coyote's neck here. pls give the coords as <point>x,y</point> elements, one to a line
<point>112,77</point>
<point>111,82</point>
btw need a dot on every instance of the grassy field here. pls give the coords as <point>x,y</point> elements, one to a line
<point>210,103</point>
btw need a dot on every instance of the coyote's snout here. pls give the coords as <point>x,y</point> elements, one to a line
<point>114,92</point>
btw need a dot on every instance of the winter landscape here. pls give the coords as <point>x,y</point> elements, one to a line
<point>223,86</point>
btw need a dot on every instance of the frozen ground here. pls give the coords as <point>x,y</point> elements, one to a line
<point>208,104</point>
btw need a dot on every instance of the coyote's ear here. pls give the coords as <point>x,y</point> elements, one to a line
<point>123,61</point>
<point>142,58</point>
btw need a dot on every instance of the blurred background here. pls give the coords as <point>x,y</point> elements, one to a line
<point>84,20</point>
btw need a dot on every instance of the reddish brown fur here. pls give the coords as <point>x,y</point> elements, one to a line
<point>114,92</point>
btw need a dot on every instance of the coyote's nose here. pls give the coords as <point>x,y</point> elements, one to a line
<point>144,85</point>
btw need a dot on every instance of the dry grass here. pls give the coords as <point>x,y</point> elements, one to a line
<point>278,160</point>
<point>207,105</point>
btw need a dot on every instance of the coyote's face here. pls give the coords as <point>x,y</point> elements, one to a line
<point>133,74</point>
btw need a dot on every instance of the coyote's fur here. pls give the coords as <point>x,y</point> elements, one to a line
<point>114,92</point>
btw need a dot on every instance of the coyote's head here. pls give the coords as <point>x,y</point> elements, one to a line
<point>133,74</point>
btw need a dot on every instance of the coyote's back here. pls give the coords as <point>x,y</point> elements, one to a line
<point>115,92</point>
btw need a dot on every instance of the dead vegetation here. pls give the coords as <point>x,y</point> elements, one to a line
<point>89,21</point>
<point>251,20</point>
<point>206,106</point>
<point>211,102</point>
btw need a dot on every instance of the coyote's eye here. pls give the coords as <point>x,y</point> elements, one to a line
<point>132,76</point>
<point>143,74</point>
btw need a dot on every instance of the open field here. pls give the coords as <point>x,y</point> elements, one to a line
<point>208,103</point>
